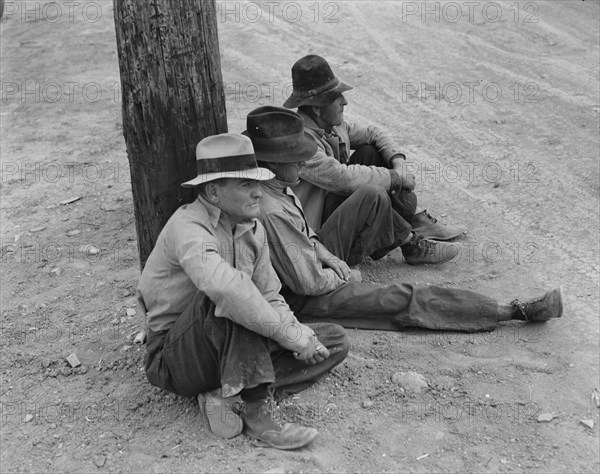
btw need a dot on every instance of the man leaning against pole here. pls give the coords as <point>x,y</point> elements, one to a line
<point>218,329</point>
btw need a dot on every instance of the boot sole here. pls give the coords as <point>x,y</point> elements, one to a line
<point>445,259</point>
<point>559,295</point>
<point>434,236</point>
<point>286,447</point>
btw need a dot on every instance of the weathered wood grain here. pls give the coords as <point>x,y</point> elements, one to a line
<point>173,96</point>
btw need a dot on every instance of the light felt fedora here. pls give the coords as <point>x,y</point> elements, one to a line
<point>227,155</point>
<point>314,83</point>
<point>278,135</point>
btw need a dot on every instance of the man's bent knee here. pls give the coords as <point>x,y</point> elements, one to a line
<point>371,192</point>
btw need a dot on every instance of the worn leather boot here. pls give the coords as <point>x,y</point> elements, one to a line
<point>419,251</point>
<point>260,424</point>
<point>541,309</point>
<point>426,225</point>
<point>220,412</point>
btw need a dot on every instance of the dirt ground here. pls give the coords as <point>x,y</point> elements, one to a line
<point>497,108</point>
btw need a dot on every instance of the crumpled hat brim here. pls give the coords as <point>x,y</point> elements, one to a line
<point>298,99</point>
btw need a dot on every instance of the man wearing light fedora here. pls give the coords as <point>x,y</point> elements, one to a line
<point>332,175</point>
<point>218,328</point>
<point>319,286</point>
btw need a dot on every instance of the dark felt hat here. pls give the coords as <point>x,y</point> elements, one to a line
<point>314,83</point>
<point>278,135</point>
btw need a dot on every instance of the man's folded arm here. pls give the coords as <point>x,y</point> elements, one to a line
<point>328,173</point>
<point>295,259</point>
<point>234,293</point>
<point>373,135</point>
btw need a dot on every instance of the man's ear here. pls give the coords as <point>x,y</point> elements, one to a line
<point>211,192</point>
<point>316,110</point>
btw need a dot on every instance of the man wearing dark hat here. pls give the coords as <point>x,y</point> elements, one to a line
<point>333,175</point>
<point>217,326</point>
<point>319,286</point>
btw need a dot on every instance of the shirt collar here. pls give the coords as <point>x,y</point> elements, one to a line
<point>310,123</point>
<point>279,187</point>
<point>214,213</point>
<point>274,184</point>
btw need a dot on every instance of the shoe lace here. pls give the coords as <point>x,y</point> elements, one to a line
<point>271,407</point>
<point>521,306</point>
<point>430,217</point>
<point>238,407</point>
<point>425,246</point>
<point>420,243</point>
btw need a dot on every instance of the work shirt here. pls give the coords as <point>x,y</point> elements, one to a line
<point>292,242</point>
<point>328,171</point>
<point>198,251</point>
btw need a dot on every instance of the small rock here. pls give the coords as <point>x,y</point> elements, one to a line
<point>73,232</point>
<point>89,249</point>
<point>367,403</point>
<point>73,360</point>
<point>70,200</point>
<point>28,417</point>
<point>37,229</point>
<point>83,369</point>
<point>588,423</point>
<point>56,272</point>
<point>131,312</point>
<point>140,338</point>
<point>66,371</point>
<point>125,348</point>
<point>99,460</point>
<point>412,382</point>
<point>545,417</point>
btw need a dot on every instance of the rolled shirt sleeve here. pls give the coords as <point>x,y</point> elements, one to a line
<point>328,173</point>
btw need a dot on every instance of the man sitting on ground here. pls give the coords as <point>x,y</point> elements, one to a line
<point>218,327</point>
<point>319,284</point>
<point>335,180</point>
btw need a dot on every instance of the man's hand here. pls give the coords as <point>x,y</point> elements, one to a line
<point>340,267</point>
<point>355,276</point>
<point>329,260</point>
<point>408,179</point>
<point>309,347</point>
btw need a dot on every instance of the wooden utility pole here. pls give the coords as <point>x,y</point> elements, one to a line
<point>173,96</point>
